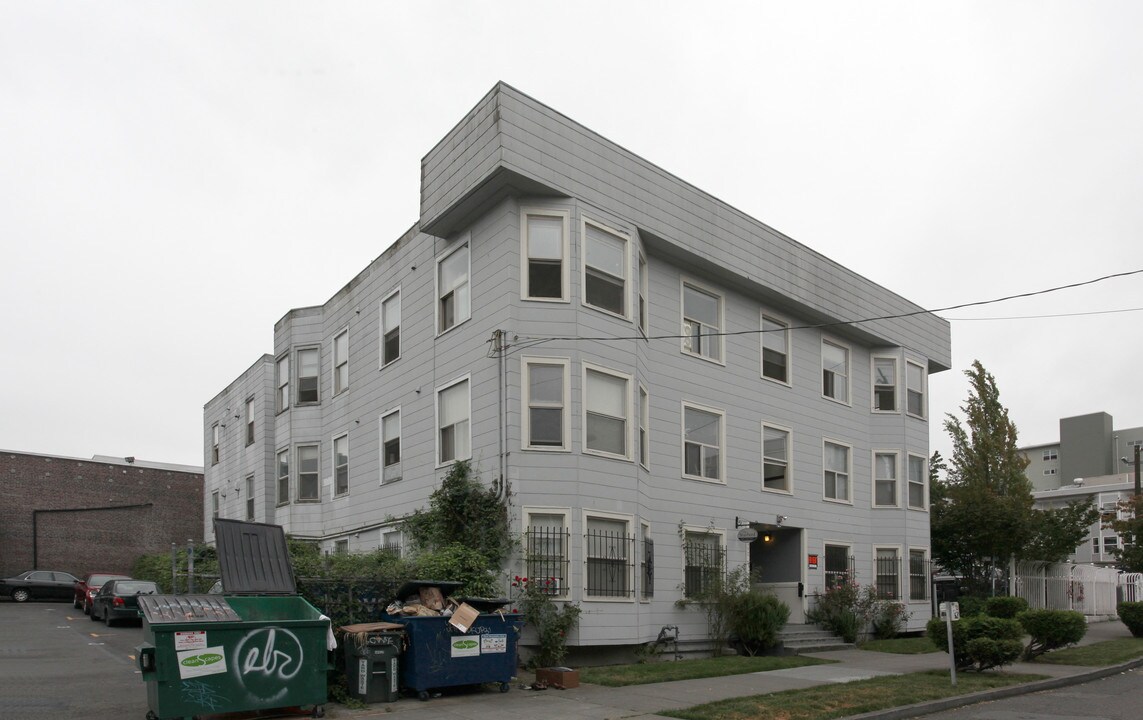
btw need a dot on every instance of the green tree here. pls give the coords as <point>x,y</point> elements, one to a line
<point>982,513</point>
<point>1129,554</point>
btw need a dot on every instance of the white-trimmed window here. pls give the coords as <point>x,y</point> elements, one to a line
<point>918,574</point>
<point>775,458</point>
<point>309,369</point>
<point>703,440</point>
<point>775,349</point>
<point>391,327</point>
<point>249,421</point>
<point>546,545</point>
<point>214,507</point>
<point>606,407</point>
<point>644,428</point>
<point>309,457</point>
<point>609,548</point>
<point>887,572</point>
<point>454,301</point>
<point>283,470</point>
<point>341,464</point>
<point>1051,471</point>
<point>545,392</point>
<point>702,322</point>
<point>838,565</point>
<point>836,471</point>
<point>1051,454</point>
<point>644,284</point>
<point>1110,544</point>
<point>454,433</point>
<point>249,497</point>
<point>884,384</point>
<point>885,479</point>
<point>214,444</point>
<point>704,561</point>
<point>835,371</point>
<point>604,269</point>
<point>282,380</point>
<point>391,446</point>
<point>544,247</point>
<point>918,482</point>
<point>392,541</point>
<point>914,389</point>
<point>341,361</point>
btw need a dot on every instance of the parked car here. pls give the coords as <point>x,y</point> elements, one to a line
<point>86,588</point>
<point>39,585</point>
<point>119,600</point>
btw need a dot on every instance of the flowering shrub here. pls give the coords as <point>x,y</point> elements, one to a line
<point>551,621</point>
<point>850,611</point>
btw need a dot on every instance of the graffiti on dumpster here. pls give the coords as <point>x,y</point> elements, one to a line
<point>266,660</point>
<point>196,692</point>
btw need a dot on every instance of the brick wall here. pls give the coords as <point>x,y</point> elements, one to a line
<point>91,515</point>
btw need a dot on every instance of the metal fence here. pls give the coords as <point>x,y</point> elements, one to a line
<point>703,568</point>
<point>546,556</point>
<point>1063,586</point>
<point>610,564</point>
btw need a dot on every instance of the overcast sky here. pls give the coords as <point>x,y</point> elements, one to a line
<point>174,177</point>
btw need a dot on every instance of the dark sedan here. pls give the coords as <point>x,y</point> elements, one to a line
<point>39,585</point>
<point>119,600</point>
<point>86,588</point>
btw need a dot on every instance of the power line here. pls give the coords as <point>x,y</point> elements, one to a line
<point>531,341</point>
<point>1038,317</point>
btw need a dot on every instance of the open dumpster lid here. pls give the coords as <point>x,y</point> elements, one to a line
<point>253,558</point>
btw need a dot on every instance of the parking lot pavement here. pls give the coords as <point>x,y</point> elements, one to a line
<point>56,663</point>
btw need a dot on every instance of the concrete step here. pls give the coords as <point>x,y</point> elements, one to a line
<point>810,638</point>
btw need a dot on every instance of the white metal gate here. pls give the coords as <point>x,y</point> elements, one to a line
<point>1062,586</point>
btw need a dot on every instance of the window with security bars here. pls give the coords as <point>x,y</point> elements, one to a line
<point>918,575</point>
<point>838,566</point>
<point>609,548</point>
<point>648,566</point>
<point>887,578</point>
<point>546,552</point>
<point>705,560</point>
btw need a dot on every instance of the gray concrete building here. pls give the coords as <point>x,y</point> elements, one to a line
<point>1089,446</point>
<point>647,369</point>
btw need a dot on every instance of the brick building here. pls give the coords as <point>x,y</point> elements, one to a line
<point>78,515</point>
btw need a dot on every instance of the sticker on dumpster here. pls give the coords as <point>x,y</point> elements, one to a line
<point>197,663</point>
<point>190,640</point>
<point>493,643</point>
<point>465,646</point>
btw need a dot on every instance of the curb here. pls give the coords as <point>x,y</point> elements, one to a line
<point>949,703</point>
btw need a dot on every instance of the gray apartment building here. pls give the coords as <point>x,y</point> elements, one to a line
<point>649,371</point>
<point>1086,464</point>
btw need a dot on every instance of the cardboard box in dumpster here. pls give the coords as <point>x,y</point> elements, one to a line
<point>463,617</point>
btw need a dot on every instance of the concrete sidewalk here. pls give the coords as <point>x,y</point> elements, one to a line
<point>595,702</point>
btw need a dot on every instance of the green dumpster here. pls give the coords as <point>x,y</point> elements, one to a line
<point>263,647</point>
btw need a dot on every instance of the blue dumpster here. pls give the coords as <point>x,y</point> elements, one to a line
<point>439,655</point>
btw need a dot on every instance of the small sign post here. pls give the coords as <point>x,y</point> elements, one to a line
<point>950,611</point>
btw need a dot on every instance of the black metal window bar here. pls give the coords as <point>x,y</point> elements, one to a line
<point>705,562</point>
<point>888,576</point>
<point>648,569</point>
<point>838,566</point>
<point>546,558</point>
<point>610,563</point>
<point>920,571</point>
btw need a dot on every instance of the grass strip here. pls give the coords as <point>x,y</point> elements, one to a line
<point>1100,654</point>
<point>852,698</point>
<point>901,646</point>
<point>642,674</point>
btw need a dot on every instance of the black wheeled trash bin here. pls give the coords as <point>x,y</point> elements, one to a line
<point>372,660</point>
<point>438,655</point>
<point>259,647</point>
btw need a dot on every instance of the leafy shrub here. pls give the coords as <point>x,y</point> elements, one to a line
<point>1000,641</point>
<point>970,606</point>
<point>1131,613</point>
<point>462,511</point>
<point>836,610</point>
<point>458,563</point>
<point>888,618</point>
<point>1005,606</point>
<point>1051,629</point>
<point>756,619</point>
<point>552,622</point>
